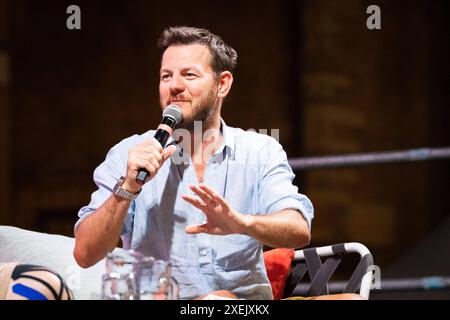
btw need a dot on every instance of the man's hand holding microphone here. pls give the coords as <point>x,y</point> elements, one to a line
<point>145,159</point>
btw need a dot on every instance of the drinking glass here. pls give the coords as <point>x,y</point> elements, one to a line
<point>120,281</point>
<point>156,281</point>
<point>131,275</point>
<point>117,286</point>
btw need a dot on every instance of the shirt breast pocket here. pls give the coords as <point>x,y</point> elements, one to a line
<point>236,252</point>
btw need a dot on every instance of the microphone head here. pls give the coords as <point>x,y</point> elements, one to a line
<point>173,111</point>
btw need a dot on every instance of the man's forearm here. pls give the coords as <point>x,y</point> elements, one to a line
<point>286,228</point>
<point>100,231</point>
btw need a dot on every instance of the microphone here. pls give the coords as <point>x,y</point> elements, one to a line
<point>171,117</point>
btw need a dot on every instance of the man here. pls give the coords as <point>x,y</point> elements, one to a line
<point>211,202</point>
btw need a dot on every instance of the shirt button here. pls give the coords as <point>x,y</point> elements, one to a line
<point>203,253</point>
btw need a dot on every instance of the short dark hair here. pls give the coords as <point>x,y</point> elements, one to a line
<point>224,57</point>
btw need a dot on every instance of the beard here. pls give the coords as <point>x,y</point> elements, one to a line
<point>204,111</point>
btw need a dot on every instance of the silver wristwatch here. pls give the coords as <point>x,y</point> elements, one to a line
<point>118,190</point>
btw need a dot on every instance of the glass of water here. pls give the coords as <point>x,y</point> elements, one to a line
<point>117,286</point>
<point>156,281</point>
<point>120,281</point>
<point>131,275</point>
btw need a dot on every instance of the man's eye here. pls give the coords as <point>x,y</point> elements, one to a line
<point>165,77</point>
<point>191,75</point>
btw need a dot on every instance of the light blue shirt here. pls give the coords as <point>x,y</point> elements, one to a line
<point>249,170</point>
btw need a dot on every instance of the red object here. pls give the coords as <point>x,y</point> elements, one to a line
<point>278,265</point>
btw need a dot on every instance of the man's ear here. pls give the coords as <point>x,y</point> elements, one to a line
<point>224,85</point>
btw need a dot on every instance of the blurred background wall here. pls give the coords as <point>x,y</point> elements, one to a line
<point>310,68</point>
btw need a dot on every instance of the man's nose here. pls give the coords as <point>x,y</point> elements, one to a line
<point>176,86</point>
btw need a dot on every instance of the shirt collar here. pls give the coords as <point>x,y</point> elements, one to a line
<point>228,141</point>
<point>228,136</point>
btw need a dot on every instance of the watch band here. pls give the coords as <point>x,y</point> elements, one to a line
<point>118,190</point>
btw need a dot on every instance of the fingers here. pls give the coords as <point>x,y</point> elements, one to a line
<point>153,143</point>
<point>215,197</point>
<point>168,152</point>
<point>194,201</point>
<point>137,161</point>
<point>149,155</point>
<point>203,195</point>
<point>149,150</point>
<point>197,228</point>
<point>147,165</point>
<point>148,159</point>
<point>153,155</point>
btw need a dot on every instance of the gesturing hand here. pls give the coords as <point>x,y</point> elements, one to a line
<point>221,218</point>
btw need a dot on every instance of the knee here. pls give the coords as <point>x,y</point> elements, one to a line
<point>350,296</point>
<point>342,296</point>
<point>221,293</point>
<point>37,283</point>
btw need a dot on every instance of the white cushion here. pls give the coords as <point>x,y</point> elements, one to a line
<point>55,252</point>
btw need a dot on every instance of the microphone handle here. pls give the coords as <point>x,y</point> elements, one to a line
<point>161,136</point>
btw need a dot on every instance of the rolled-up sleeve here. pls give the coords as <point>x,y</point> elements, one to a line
<point>276,191</point>
<point>105,177</point>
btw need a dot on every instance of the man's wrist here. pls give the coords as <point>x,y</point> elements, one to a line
<point>120,189</point>
<point>248,223</point>
<point>130,188</point>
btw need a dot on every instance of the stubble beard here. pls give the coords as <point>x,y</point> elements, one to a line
<point>204,111</point>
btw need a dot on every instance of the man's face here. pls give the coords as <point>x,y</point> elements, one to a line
<point>187,80</point>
